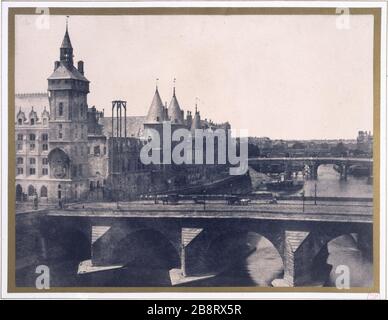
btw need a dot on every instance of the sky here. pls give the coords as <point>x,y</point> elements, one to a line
<point>284,77</point>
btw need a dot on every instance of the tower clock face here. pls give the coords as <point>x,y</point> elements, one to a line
<point>59,171</point>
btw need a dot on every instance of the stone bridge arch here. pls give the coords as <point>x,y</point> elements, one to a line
<point>66,238</point>
<point>146,247</point>
<point>110,241</point>
<point>204,248</point>
<point>300,259</point>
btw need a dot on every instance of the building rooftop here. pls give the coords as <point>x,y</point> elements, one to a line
<point>134,126</point>
<point>62,72</point>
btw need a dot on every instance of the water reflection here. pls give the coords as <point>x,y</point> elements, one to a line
<point>329,184</point>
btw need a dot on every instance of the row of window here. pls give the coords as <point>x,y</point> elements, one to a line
<point>30,191</point>
<point>33,146</point>
<point>32,121</point>
<point>32,171</point>
<point>20,160</point>
<point>32,137</point>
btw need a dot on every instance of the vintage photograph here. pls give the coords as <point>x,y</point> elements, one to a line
<point>178,149</point>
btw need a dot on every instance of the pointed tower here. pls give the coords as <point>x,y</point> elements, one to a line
<point>156,110</point>
<point>66,50</point>
<point>68,89</point>
<point>196,124</point>
<point>155,118</point>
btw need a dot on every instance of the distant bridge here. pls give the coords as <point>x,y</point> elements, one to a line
<point>314,162</point>
<point>299,231</point>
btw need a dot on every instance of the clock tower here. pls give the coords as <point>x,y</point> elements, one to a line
<point>68,132</point>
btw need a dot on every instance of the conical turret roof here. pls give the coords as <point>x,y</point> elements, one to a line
<point>196,124</point>
<point>174,110</point>
<point>155,112</point>
<point>66,43</point>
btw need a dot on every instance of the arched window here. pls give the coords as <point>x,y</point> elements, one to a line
<point>60,109</point>
<point>31,190</point>
<point>59,192</point>
<point>32,121</point>
<point>20,121</point>
<point>43,191</point>
<point>19,160</point>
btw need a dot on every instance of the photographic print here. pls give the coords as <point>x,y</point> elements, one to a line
<point>194,149</point>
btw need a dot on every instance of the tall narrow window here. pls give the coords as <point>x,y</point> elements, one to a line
<point>97,150</point>
<point>60,109</point>
<point>31,190</point>
<point>43,191</point>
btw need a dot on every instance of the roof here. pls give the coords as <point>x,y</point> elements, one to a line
<point>196,124</point>
<point>66,43</point>
<point>134,126</point>
<point>174,111</point>
<point>156,111</point>
<point>63,72</point>
<point>25,101</point>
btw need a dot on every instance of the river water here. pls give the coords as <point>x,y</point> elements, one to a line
<point>259,268</point>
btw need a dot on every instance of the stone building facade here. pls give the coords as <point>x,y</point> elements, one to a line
<point>52,147</point>
<point>65,150</point>
<point>32,150</point>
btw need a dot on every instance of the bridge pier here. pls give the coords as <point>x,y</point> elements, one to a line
<point>186,273</point>
<point>297,259</point>
<point>344,171</point>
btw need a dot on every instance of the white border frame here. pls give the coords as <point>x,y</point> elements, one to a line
<point>193,295</point>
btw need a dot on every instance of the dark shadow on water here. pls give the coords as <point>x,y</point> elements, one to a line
<point>257,266</point>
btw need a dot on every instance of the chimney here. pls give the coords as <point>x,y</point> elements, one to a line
<point>56,65</point>
<point>189,119</point>
<point>81,67</point>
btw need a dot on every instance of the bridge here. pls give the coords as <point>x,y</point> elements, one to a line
<point>105,236</point>
<point>313,163</point>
